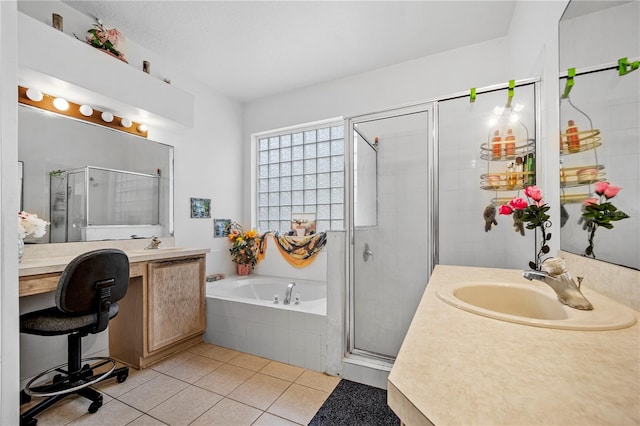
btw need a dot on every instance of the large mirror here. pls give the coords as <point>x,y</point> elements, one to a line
<point>599,122</point>
<point>91,182</point>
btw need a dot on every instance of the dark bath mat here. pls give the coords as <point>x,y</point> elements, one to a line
<point>353,404</point>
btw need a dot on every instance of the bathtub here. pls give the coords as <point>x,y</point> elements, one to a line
<point>242,315</point>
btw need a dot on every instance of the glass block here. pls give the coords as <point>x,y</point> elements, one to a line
<point>337,195</point>
<point>297,209</point>
<point>263,199</point>
<point>337,225</point>
<point>337,179</point>
<point>336,212</point>
<point>324,180</point>
<point>298,138</point>
<point>297,182</point>
<point>263,171</point>
<point>309,208</point>
<point>337,163</point>
<point>310,196</point>
<point>263,226</point>
<point>285,198</point>
<point>285,154</point>
<point>337,132</point>
<point>274,142</point>
<point>310,166</point>
<point>297,198</point>
<point>337,147</point>
<point>310,136</point>
<point>310,151</point>
<point>285,169</point>
<point>263,144</point>
<point>298,168</point>
<point>322,225</point>
<point>273,225</point>
<point>274,185</point>
<point>285,184</point>
<point>285,213</point>
<point>297,153</point>
<point>324,196</point>
<point>274,155</point>
<point>324,165</point>
<point>285,140</point>
<point>324,211</point>
<point>263,213</point>
<point>263,185</point>
<point>274,170</point>
<point>324,134</point>
<point>274,213</point>
<point>274,199</point>
<point>285,226</point>
<point>324,149</point>
<point>263,158</point>
<point>310,182</point>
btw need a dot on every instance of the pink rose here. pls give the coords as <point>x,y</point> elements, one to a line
<point>611,191</point>
<point>590,201</point>
<point>113,36</point>
<point>601,187</point>
<point>505,209</point>
<point>533,192</point>
<point>518,203</point>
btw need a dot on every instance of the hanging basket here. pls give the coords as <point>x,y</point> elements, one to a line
<point>243,269</point>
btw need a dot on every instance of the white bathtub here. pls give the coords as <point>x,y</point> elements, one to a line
<point>242,315</point>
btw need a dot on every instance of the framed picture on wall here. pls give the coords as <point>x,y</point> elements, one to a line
<point>201,207</point>
<point>220,227</point>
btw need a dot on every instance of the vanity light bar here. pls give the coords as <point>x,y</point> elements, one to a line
<point>82,112</point>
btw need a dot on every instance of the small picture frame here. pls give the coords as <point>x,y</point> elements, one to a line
<point>200,207</point>
<point>220,229</point>
<point>303,224</point>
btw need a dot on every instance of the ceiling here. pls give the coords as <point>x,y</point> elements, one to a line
<point>252,49</point>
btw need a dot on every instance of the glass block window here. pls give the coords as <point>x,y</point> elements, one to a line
<point>301,172</point>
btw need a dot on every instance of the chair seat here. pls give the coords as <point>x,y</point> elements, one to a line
<point>53,322</point>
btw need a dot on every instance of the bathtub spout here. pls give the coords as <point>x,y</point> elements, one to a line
<point>287,296</point>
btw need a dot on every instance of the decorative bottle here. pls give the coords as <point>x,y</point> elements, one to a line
<point>496,147</point>
<point>563,176</point>
<point>511,176</point>
<point>510,144</point>
<point>531,169</point>
<point>519,168</point>
<point>573,139</point>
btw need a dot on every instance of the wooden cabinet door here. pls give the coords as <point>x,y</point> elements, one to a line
<point>176,304</point>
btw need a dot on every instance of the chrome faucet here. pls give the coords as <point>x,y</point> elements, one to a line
<point>556,276</point>
<point>287,295</point>
<point>155,242</point>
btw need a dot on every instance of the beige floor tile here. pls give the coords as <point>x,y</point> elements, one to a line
<point>225,379</point>
<point>113,413</point>
<point>185,406</point>
<point>282,371</point>
<point>267,419</point>
<point>259,391</point>
<point>220,353</point>
<point>64,411</point>
<point>320,381</point>
<point>200,347</point>
<point>250,362</point>
<point>135,379</point>
<point>194,368</point>
<point>146,420</point>
<point>172,361</point>
<point>228,412</point>
<point>153,392</point>
<point>298,404</point>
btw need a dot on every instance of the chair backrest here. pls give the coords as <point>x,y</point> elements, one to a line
<point>89,276</point>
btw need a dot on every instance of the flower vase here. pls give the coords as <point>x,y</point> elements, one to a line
<point>20,249</point>
<point>243,269</point>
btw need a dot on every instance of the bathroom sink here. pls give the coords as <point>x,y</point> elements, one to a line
<point>535,305</point>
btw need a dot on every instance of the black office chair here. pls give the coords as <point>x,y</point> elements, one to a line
<point>86,297</point>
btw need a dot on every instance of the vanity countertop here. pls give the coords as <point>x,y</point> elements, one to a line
<point>456,367</point>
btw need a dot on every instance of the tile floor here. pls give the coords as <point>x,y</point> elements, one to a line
<point>203,385</point>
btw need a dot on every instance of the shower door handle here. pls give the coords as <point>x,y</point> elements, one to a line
<point>367,252</point>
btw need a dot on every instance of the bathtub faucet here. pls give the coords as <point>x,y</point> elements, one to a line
<point>287,296</point>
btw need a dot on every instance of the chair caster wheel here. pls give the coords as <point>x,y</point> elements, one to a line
<point>122,377</point>
<point>95,406</point>
<point>24,397</point>
<point>30,422</point>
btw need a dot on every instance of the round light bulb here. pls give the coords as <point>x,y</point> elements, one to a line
<point>107,117</point>
<point>86,110</point>
<point>126,123</point>
<point>61,104</point>
<point>143,128</point>
<point>34,94</point>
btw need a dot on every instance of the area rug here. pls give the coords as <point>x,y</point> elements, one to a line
<point>352,404</point>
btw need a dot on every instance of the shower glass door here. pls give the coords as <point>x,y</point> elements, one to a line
<point>390,226</point>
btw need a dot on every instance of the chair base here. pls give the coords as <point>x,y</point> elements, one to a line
<point>69,383</point>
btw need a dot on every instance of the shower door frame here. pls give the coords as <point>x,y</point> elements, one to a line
<point>431,110</point>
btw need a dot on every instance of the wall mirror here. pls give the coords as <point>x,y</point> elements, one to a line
<point>599,123</point>
<point>91,182</point>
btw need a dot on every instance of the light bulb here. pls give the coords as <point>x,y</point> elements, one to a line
<point>61,104</point>
<point>86,110</point>
<point>498,110</point>
<point>142,128</point>
<point>107,117</point>
<point>126,123</point>
<point>34,94</point>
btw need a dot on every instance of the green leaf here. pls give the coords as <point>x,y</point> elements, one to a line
<point>548,236</point>
<point>532,265</point>
<point>607,225</point>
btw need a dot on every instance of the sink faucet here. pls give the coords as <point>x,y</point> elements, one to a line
<point>556,276</point>
<point>155,242</point>
<point>287,295</point>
